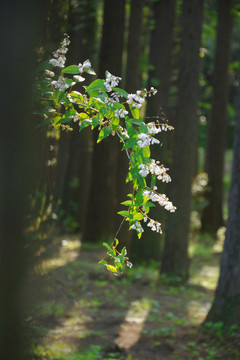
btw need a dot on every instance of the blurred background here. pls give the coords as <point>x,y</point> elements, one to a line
<point>60,191</point>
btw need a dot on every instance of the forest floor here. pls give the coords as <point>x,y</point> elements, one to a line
<point>76,310</point>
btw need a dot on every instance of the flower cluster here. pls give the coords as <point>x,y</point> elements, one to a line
<point>60,83</point>
<point>161,199</point>
<point>137,99</point>
<point>146,140</point>
<point>159,170</point>
<point>155,226</point>
<point>111,81</point>
<point>59,57</point>
<point>100,105</point>
<point>137,226</point>
<point>86,65</point>
<point>120,113</point>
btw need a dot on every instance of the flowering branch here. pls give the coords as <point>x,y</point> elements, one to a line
<point>112,110</point>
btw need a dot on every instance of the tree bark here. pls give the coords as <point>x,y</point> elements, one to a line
<point>175,257</point>
<point>75,149</point>
<point>101,220</point>
<point>226,304</point>
<point>18,23</point>
<point>212,217</point>
<point>160,55</point>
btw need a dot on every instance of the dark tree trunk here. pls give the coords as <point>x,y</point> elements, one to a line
<point>175,258</point>
<point>18,22</point>
<point>212,217</point>
<point>133,75</point>
<point>132,84</point>
<point>75,148</point>
<point>161,44</point>
<point>226,305</point>
<point>100,220</point>
<point>161,55</point>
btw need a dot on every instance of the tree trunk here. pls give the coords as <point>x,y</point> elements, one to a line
<point>161,55</point>
<point>160,61</point>
<point>75,149</point>
<point>18,43</point>
<point>226,304</point>
<point>212,217</point>
<point>100,220</point>
<point>175,257</point>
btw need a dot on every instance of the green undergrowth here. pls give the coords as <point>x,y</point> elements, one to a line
<point>76,310</point>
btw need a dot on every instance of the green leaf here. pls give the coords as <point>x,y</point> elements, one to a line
<point>83,115</point>
<point>76,95</point>
<point>103,262</point>
<point>94,88</point>
<point>146,151</point>
<point>121,92</point>
<point>45,65</point>
<point>149,204</point>
<point>139,197</point>
<point>130,129</point>
<point>95,122</point>
<point>128,203</point>
<point>84,124</point>
<point>124,251</point>
<point>143,128</point>
<point>134,111</point>
<point>130,143</point>
<point>43,123</point>
<point>90,71</point>
<point>59,96</point>
<point>121,258</point>
<point>105,132</point>
<point>153,180</point>
<point>138,216</point>
<point>136,121</point>
<point>126,214</point>
<point>110,250</point>
<point>67,116</point>
<point>72,69</point>
<point>116,242</point>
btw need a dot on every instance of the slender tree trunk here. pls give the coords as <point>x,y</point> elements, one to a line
<point>132,84</point>
<point>160,61</point>
<point>18,21</point>
<point>161,55</point>
<point>175,257</point>
<point>133,75</point>
<point>100,220</point>
<point>226,304</point>
<point>212,217</point>
<point>77,157</point>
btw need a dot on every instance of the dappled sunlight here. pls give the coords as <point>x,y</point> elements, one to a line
<point>132,327</point>
<point>68,252</point>
<point>64,338</point>
<point>197,311</point>
<point>207,276</point>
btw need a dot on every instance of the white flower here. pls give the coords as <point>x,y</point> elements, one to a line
<point>120,113</point>
<point>154,91</point>
<point>136,99</point>
<point>111,81</point>
<point>162,199</point>
<point>86,65</point>
<point>60,83</point>
<point>146,140</point>
<point>137,226</point>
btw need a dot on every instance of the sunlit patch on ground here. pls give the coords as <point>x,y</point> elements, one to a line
<point>132,327</point>
<point>207,277</point>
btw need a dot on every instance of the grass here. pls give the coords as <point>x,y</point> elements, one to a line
<point>77,310</point>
